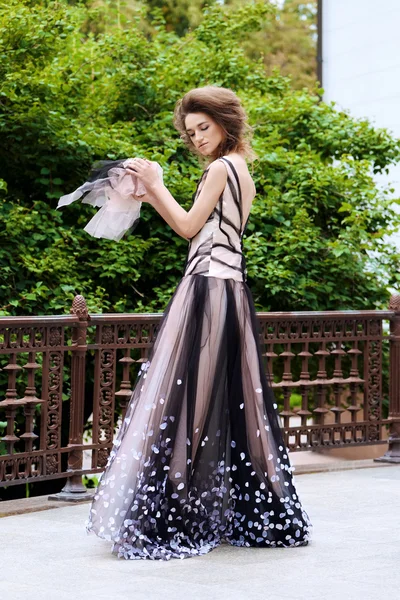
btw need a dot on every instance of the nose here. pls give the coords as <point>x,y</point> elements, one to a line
<point>198,136</point>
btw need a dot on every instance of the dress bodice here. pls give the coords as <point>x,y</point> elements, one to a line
<point>216,250</point>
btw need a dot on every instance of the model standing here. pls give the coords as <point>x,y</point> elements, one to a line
<point>200,458</point>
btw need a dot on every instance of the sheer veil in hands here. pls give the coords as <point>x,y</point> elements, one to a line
<point>111,187</point>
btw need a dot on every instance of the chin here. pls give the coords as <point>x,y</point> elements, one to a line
<point>208,152</point>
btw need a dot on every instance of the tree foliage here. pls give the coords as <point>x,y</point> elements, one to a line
<point>71,94</point>
<point>286,40</point>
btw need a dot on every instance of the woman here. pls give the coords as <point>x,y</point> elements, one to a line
<point>199,458</point>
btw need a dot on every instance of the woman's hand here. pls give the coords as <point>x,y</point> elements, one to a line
<point>145,171</point>
<point>148,197</point>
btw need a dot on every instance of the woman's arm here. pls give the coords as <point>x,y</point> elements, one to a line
<point>153,200</point>
<point>185,223</point>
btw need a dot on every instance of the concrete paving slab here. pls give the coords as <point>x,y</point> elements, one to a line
<point>354,555</point>
<point>303,462</point>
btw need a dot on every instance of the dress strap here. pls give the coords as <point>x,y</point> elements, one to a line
<point>234,186</point>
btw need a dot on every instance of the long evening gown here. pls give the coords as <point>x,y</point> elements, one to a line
<point>199,458</point>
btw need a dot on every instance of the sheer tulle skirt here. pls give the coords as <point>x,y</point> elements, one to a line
<point>199,458</point>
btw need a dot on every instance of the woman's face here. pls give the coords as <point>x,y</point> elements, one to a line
<point>205,133</point>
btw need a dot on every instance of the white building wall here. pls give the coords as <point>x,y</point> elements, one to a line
<point>361,63</point>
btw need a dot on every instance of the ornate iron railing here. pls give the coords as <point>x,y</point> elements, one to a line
<point>331,372</point>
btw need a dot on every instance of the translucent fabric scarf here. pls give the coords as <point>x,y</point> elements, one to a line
<point>111,187</point>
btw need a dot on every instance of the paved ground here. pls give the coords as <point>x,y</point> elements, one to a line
<point>355,553</point>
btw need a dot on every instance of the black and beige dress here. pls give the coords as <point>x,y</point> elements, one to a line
<point>199,458</point>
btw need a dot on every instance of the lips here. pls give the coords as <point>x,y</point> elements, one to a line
<point>204,144</point>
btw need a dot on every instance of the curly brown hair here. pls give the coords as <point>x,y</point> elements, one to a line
<point>225,108</point>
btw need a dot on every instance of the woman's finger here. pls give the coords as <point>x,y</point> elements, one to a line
<point>135,172</point>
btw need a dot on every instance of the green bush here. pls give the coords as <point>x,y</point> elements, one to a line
<point>72,92</point>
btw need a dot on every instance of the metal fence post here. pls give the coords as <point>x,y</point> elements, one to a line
<point>74,490</point>
<point>393,453</point>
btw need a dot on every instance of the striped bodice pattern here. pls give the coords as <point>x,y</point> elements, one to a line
<point>216,250</point>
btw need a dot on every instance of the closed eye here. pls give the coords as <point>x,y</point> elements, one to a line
<point>201,129</point>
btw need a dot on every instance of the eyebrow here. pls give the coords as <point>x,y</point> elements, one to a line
<point>198,125</point>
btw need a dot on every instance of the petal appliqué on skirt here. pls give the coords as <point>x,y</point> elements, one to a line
<point>199,458</point>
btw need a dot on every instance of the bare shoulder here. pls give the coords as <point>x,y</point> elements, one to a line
<point>236,159</point>
<point>217,169</point>
<point>217,175</point>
